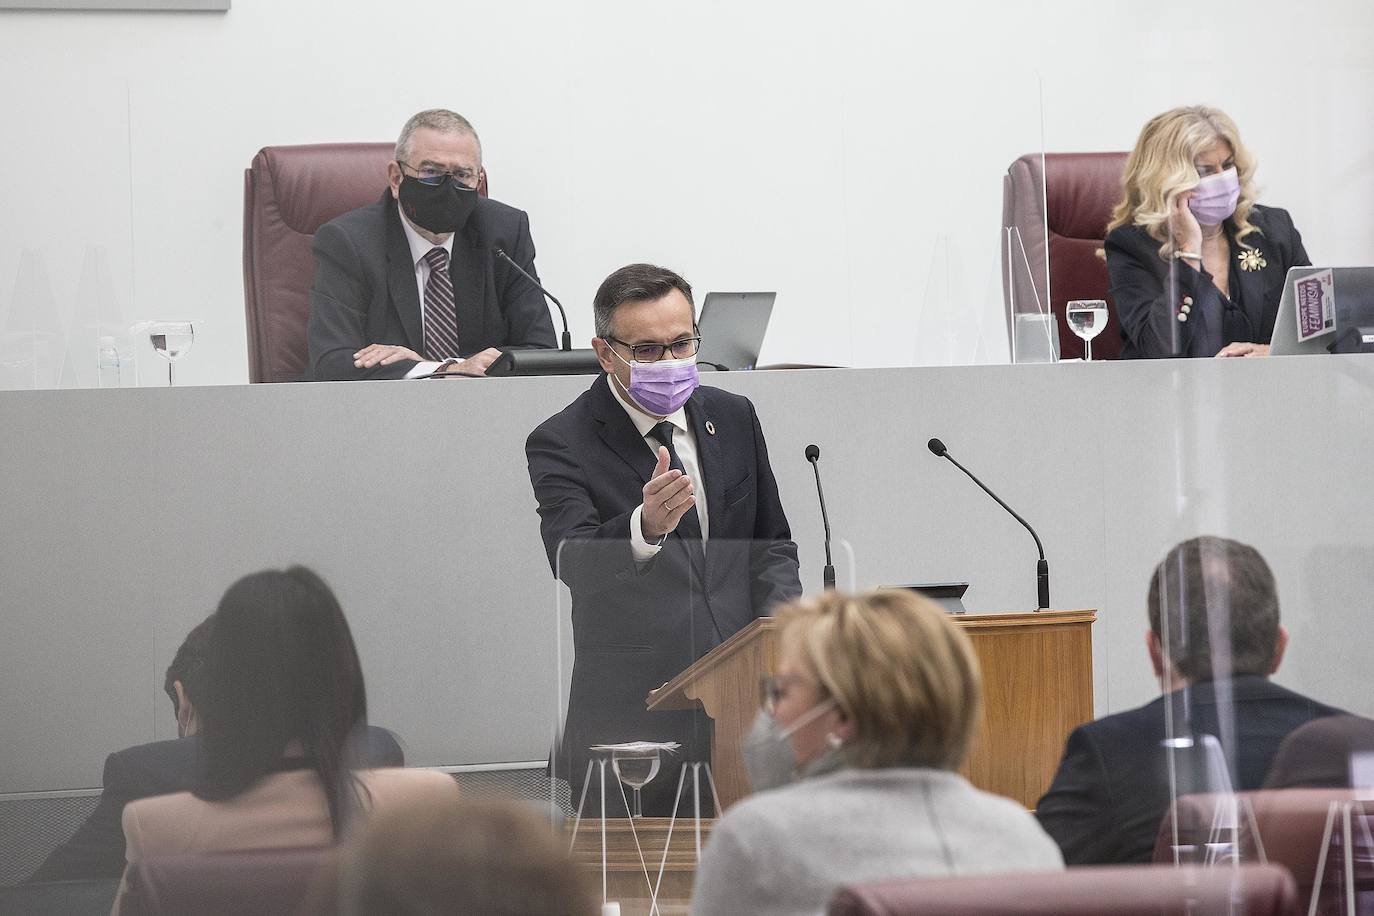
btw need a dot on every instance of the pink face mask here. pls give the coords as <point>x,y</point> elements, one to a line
<point>664,386</point>
<point>1214,198</point>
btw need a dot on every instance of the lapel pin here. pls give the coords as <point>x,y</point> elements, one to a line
<point>710,428</point>
<point>1252,259</point>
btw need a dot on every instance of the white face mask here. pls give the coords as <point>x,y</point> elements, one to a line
<point>767,752</point>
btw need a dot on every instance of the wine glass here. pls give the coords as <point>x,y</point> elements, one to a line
<point>635,767</point>
<point>1087,318</point>
<point>171,340</point>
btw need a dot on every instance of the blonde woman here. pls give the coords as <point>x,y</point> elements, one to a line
<point>1189,203</point>
<point>873,707</point>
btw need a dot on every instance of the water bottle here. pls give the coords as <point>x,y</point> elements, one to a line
<point>108,363</point>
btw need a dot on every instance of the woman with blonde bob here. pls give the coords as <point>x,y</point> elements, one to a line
<point>1188,210</point>
<point>852,758</point>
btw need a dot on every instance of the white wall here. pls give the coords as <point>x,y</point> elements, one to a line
<point>849,156</point>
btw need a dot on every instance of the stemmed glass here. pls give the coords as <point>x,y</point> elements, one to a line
<point>171,340</point>
<point>635,767</point>
<point>1087,318</point>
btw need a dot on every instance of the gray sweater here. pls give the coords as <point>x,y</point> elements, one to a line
<point>786,851</point>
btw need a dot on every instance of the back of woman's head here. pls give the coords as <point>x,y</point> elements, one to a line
<point>281,667</point>
<point>899,670</point>
<point>497,858</point>
<point>1162,165</point>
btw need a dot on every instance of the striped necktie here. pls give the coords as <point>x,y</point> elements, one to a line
<point>441,316</point>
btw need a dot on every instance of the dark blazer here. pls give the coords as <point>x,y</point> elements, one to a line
<point>632,628</point>
<point>96,849</point>
<point>1149,314</point>
<point>365,291</point>
<point>1112,789</point>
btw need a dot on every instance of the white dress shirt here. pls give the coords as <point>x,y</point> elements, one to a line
<point>685,444</point>
<point>419,247</point>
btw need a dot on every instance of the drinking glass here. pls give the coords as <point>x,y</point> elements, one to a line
<point>1087,318</point>
<point>635,767</point>
<point>171,340</point>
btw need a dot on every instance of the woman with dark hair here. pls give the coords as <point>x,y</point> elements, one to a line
<point>284,696</point>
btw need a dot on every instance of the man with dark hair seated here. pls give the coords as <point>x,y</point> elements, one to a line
<point>1113,786</point>
<point>96,849</point>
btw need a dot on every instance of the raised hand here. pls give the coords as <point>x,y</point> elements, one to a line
<point>667,497</point>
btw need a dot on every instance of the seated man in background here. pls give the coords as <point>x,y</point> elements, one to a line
<point>411,284</point>
<point>96,849</point>
<point>1113,787</point>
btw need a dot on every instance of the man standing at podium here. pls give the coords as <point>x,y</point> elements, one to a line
<point>659,509</point>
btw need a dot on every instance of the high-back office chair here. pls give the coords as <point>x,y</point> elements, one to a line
<point>1078,194</point>
<point>1252,890</point>
<point>288,193</point>
<point>265,882</point>
<point>1310,832</point>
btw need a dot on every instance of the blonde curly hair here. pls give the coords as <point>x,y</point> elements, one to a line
<point>1162,166</point>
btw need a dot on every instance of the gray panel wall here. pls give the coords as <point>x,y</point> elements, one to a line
<point>126,514</point>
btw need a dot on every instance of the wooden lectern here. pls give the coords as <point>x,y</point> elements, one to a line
<point>1037,686</point>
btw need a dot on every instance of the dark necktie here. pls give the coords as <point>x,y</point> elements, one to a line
<point>690,525</point>
<point>441,316</point>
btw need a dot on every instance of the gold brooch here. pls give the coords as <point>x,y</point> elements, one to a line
<point>1252,259</point>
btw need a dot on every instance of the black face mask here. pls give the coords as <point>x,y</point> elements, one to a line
<point>439,208</point>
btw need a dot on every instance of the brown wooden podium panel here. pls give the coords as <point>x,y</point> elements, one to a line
<point>1037,686</point>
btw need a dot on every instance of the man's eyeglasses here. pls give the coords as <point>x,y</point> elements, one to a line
<point>435,177</point>
<point>652,353</point>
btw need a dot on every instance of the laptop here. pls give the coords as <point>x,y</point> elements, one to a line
<point>1352,289</point>
<point>732,326</point>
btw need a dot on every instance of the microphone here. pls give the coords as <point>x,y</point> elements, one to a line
<point>567,338</point>
<point>1042,569</point>
<point>813,455</point>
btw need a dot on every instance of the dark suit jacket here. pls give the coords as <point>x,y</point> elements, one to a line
<point>1112,789</point>
<point>365,291</point>
<point>632,628</point>
<point>1149,314</point>
<point>96,850</point>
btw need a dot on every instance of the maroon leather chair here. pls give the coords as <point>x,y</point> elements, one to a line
<point>288,193</point>
<point>265,882</point>
<point>1078,194</point>
<point>1148,890</point>
<point>1287,827</point>
<point>1318,754</point>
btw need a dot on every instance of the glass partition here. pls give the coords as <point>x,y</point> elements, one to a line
<point>1256,600</point>
<point>660,668</point>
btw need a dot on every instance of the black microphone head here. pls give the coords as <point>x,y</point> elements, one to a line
<point>813,452</point>
<point>937,448</point>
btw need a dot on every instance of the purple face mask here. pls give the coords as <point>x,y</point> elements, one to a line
<point>1214,199</point>
<point>663,387</point>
